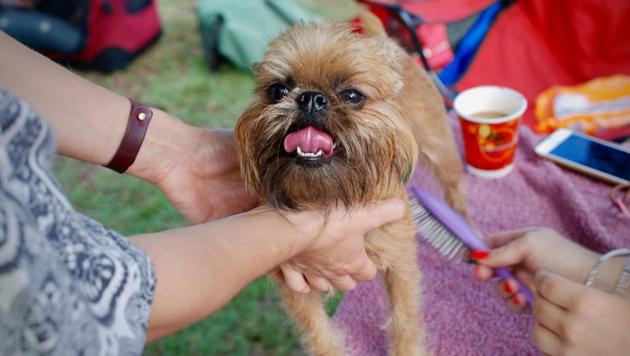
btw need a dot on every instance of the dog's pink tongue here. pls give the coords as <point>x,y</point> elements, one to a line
<point>310,139</point>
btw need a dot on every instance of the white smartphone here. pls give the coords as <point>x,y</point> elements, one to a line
<point>589,155</point>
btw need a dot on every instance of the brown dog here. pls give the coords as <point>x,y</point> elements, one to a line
<point>340,118</point>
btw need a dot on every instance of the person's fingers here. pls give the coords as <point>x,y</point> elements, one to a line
<point>343,283</point>
<point>504,237</point>
<point>516,303</point>
<point>547,341</point>
<point>294,279</point>
<point>506,288</point>
<point>317,283</point>
<point>558,290</point>
<point>524,277</point>
<point>483,273</point>
<point>380,213</point>
<point>510,254</point>
<point>549,315</point>
<point>366,271</point>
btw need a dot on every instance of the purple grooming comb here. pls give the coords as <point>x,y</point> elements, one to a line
<point>449,232</point>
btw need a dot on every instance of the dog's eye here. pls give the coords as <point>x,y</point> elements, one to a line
<point>276,92</point>
<point>352,97</point>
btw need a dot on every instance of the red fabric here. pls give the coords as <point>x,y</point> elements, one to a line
<point>535,44</point>
<point>438,10</point>
<point>434,37</point>
<point>113,29</point>
<point>434,14</point>
<point>437,49</point>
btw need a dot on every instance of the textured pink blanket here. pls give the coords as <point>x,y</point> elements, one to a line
<point>463,316</point>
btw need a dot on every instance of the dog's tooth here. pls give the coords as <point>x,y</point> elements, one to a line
<point>301,153</point>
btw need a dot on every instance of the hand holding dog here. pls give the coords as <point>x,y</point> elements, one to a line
<point>337,254</point>
<point>196,168</point>
<point>232,252</point>
<point>203,181</point>
<point>199,268</point>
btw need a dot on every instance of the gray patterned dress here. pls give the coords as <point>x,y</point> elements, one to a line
<point>68,285</point>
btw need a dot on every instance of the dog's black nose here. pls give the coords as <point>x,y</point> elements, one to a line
<point>312,102</point>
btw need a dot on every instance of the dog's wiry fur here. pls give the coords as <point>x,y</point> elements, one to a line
<point>377,145</point>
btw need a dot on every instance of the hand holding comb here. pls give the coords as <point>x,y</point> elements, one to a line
<point>449,232</point>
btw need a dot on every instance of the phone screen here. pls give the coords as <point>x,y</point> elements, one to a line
<point>594,155</point>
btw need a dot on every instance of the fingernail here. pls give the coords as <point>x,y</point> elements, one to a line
<point>479,254</point>
<point>477,273</point>
<point>516,300</point>
<point>507,288</point>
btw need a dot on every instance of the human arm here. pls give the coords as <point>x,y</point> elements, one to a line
<point>200,268</point>
<point>195,168</point>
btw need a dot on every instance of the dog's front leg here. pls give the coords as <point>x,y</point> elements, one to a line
<point>309,313</point>
<point>402,280</point>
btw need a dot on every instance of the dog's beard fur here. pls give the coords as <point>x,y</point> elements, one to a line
<point>374,148</point>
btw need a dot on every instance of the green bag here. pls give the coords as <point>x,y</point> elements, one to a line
<point>239,30</point>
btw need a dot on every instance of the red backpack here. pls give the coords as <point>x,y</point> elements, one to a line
<point>96,34</point>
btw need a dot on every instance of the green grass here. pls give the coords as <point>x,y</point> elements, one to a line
<point>173,76</point>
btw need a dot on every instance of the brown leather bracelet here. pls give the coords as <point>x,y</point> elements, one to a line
<point>139,119</point>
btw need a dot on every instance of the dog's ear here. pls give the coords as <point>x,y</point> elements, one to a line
<point>375,34</point>
<point>394,57</point>
<point>390,50</point>
<point>249,173</point>
<point>371,25</point>
<point>256,67</point>
<point>374,30</point>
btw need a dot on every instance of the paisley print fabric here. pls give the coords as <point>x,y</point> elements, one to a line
<point>68,285</point>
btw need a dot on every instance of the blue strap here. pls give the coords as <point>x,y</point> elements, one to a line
<point>469,45</point>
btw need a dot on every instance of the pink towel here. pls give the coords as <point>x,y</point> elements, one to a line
<point>463,316</point>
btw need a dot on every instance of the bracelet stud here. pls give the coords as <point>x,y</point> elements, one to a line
<point>137,124</point>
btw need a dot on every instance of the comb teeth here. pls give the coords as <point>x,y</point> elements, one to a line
<point>436,234</point>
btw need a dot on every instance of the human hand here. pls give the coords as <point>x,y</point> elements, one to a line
<point>205,183</point>
<point>528,251</point>
<point>572,319</point>
<point>202,180</point>
<point>336,256</point>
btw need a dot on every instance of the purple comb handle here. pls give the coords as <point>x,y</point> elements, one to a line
<point>459,227</point>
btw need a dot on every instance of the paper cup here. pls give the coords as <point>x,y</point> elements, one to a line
<point>489,117</point>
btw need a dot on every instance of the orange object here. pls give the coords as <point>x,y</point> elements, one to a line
<point>593,107</point>
<point>489,146</point>
<point>489,118</point>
